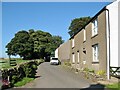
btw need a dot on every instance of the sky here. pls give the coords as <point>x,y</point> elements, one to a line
<point>52,17</point>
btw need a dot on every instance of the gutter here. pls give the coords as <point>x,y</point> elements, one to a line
<point>108,42</point>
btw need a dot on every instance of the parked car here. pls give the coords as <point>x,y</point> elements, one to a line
<point>54,61</point>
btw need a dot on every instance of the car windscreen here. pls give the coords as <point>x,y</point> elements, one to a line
<point>54,58</point>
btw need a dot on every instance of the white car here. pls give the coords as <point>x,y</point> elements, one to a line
<point>54,61</point>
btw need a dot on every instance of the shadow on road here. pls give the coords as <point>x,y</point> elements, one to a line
<point>96,87</point>
<point>37,76</point>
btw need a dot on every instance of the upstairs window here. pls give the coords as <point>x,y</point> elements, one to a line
<point>73,43</point>
<point>95,27</point>
<point>84,31</point>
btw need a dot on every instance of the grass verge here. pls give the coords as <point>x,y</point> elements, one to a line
<point>5,63</point>
<point>23,81</point>
<point>115,86</point>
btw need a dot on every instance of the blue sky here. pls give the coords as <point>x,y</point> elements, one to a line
<point>52,17</point>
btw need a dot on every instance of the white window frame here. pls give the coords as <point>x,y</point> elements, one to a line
<point>95,53</point>
<point>78,53</point>
<point>73,43</point>
<point>84,31</point>
<point>73,58</point>
<point>95,27</point>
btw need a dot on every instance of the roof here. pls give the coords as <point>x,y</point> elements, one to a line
<point>89,22</point>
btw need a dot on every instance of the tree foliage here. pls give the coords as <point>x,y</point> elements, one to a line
<point>33,44</point>
<point>77,24</point>
<point>55,42</point>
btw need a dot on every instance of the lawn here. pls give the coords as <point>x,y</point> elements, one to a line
<point>115,86</point>
<point>6,64</point>
<point>23,81</point>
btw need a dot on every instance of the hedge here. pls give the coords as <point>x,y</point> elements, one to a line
<point>13,75</point>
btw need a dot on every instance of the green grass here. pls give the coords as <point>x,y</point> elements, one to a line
<point>115,86</point>
<point>6,64</point>
<point>21,61</point>
<point>0,84</point>
<point>23,81</point>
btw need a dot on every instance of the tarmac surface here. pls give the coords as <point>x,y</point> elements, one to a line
<point>55,76</point>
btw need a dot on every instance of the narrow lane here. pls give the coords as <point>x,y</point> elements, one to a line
<point>57,77</point>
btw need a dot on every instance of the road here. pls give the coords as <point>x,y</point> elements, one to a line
<point>51,76</point>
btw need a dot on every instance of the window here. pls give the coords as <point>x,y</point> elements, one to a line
<point>73,43</point>
<point>84,35</point>
<point>73,58</point>
<point>95,27</point>
<point>78,57</point>
<point>95,53</point>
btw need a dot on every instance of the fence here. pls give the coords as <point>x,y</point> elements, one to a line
<point>13,63</point>
<point>115,71</point>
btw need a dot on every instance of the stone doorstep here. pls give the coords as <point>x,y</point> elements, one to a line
<point>104,82</point>
<point>111,81</point>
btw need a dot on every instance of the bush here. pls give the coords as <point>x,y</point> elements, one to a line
<point>30,69</point>
<point>101,73</point>
<point>86,69</point>
<point>67,63</point>
<point>91,70</point>
<point>17,73</point>
<point>5,74</point>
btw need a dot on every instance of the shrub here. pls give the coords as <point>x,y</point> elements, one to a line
<point>30,69</point>
<point>5,74</point>
<point>67,63</point>
<point>91,70</point>
<point>86,69</point>
<point>17,73</point>
<point>101,73</point>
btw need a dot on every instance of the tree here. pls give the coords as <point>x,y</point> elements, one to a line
<point>77,24</point>
<point>56,41</point>
<point>20,45</point>
<point>33,44</point>
<point>41,42</point>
